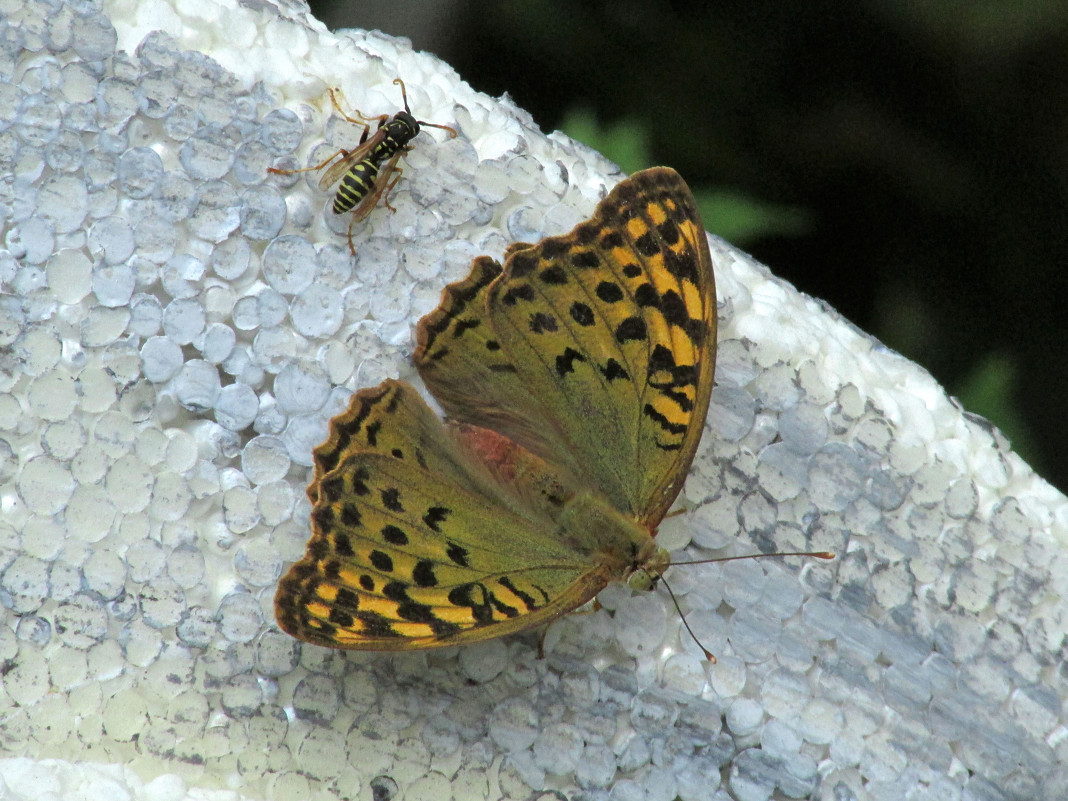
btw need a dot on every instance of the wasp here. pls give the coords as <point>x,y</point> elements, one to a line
<point>369,171</point>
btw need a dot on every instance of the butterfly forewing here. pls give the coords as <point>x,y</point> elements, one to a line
<point>596,347</point>
<point>459,357</point>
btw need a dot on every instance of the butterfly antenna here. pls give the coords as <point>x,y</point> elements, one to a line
<point>815,554</point>
<point>708,654</point>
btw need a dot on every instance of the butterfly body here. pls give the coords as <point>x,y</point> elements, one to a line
<point>576,379</point>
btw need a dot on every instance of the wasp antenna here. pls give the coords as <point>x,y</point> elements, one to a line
<point>452,131</point>
<point>404,94</point>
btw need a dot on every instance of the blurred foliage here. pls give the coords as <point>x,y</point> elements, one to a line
<point>625,142</point>
<point>736,217</point>
<point>743,220</point>
<point>923,143</point>
<point>988,391</point>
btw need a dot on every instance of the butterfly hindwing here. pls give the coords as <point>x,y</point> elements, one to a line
<point>416,543</point>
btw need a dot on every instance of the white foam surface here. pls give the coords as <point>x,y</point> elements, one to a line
<point>176,329</point>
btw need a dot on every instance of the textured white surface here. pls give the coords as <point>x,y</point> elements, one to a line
<point>176,328</point>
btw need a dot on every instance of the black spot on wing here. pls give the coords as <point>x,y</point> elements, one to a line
<point>645,295</point>
<point>521,265</point>
<point>522,292</point>
<point>674,309</point>
<point>609,292</point>
<point>343,545</point>
<point>423,574</point>
<point>647,245</point>
<point>661,359</point>
<point>371,433</point>
<point>585,259</point>
<point>554,247</point>
<point>332,488</point>
<point>376,626</point>
<point>323,518</point>
<point>669,232</point>
<point>633,328</point>
<point>435,516</point>
<point>319,548</point>
<point>529,601</point>
<point>664,423</point>
<point>584,235</point>
<point>554,275</point>
<point>565,362</point>
<point>381,561</point>
<point>360,477</point>
<point>347,599</point>
<point>394,535</point>
<point>613,371</point>
<point>464,325</point>
<point>458,554</point>
<point>340,618</point>
<point>682,265</point>
<point>543,322</point>
<point>391,499</point>
<point>582,314</point>
<point>474,597</point>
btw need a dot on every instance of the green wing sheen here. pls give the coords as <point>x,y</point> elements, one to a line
<point>415,545</point>
<point>594,350</point>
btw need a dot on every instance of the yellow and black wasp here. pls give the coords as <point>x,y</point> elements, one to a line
<point>369,171</point>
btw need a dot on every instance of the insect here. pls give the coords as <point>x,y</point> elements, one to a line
<point>370,171</point>
<point>575,379</point>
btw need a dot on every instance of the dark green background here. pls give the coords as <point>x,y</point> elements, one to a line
<point>907,162</point>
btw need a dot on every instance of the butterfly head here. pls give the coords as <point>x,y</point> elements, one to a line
<point>648,569</point>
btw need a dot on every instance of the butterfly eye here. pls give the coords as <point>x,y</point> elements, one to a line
<point>642,580</point>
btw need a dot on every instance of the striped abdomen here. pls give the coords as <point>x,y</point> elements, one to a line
<point>360,180</point>
<point>356,183</point>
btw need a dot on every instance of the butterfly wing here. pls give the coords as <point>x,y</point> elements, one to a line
<point>596,349</point>
<point>416,543</point>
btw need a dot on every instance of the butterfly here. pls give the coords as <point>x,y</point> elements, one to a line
<point>370,171</point>
<point>575,379</point>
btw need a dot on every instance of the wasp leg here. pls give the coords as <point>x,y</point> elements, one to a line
<point>360,119</point>
<point>398,172</point>
<point>342,152</point>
